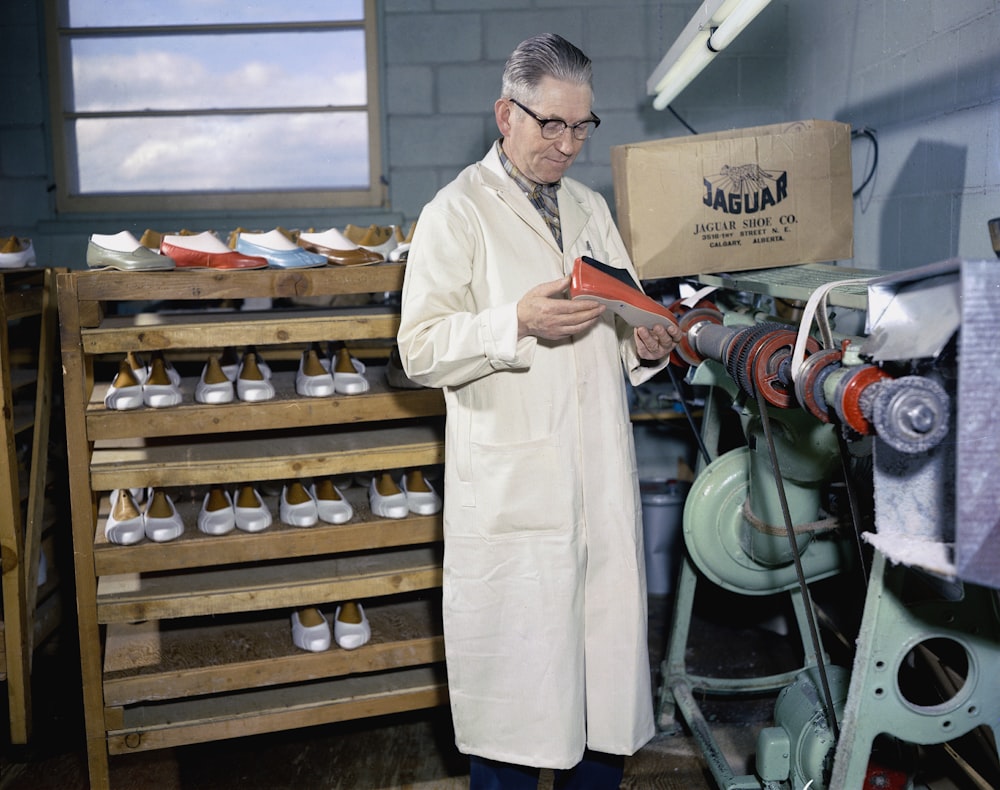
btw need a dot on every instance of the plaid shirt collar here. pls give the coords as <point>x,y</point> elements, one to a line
<point>542,196</point>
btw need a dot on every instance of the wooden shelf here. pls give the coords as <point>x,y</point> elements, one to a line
<point>195,549</point>
<point>152,331</point>
<point>160,660</point>
<point>190,640</point>
<point>269,710</point>
<point>266,585</point>
<point>279,455</point>
<point>286,410</point>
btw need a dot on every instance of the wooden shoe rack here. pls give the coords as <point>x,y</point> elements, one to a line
<point>27,523</point>
<point>190,641</point>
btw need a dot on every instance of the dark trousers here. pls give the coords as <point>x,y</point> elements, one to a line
<point>597,771</point>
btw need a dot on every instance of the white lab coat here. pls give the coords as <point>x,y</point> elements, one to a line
<point>544,584</point>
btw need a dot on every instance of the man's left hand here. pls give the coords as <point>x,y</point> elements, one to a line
<point>657,341</point>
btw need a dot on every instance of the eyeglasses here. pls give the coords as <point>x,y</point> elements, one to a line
<point>553,128</point>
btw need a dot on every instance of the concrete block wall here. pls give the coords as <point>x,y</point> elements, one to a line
<point>25,164</point>
<point>925,75</point>
<point>442,61</point>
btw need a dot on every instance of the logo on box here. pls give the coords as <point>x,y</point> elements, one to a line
<point>745,189</point>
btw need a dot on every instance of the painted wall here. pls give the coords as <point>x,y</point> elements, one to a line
<point>922,73</point>
<point>925,75</point>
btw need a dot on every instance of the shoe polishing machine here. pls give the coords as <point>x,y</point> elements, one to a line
<point>902,410</point>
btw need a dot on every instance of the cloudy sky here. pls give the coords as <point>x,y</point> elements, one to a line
<point>244,70</point>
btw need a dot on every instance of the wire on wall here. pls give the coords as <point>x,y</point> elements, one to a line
<point>865,131</point>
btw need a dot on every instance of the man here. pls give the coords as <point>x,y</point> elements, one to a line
<point>544,587</point>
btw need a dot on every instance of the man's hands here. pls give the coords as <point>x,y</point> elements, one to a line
<point>658,341</point>
<point>545,312</point>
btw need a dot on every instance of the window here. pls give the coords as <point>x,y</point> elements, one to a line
<point>200,104</point>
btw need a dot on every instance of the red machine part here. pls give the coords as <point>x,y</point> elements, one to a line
<point>770,363</point>
<point>687,317</point>
<point>809,384</point>
<point>881,777</point>
<point>849,392</point>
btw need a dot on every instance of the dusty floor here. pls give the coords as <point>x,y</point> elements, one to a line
<point>414,750</point>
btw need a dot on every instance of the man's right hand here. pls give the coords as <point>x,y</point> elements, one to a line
<point>545,312</point>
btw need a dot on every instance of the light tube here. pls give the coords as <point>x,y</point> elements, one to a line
<point>733,24</point>
<point>714,27</point>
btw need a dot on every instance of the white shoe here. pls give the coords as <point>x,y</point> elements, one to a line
<point>351,628</point>
<point>139,368</point>
<point>125,391</point>
<point>214,385</point>
<point>125,524</point>
<point>392,504</point>
<point>332,507</point>
<point>251,513</point>
<point>400,253</point>
<point>163,522</point>
<point>171,371</point>
<point>17,253</point>
<point>313,379</point>
<point>421,497</point>
<point>217,515</point>
<point>253,383</point>
<point>376,238</point>
<point>298,507</point>
<point>314,638</point>
<point>349,374</point>
<point>331,238</point>
<point>160,389</point>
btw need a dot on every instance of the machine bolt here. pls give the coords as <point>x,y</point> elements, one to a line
<point>920,417</point>
<point>911,413</point>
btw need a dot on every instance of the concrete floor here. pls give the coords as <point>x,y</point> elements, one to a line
<point>414,750</point>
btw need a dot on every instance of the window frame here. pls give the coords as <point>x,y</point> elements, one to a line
<point>59,65</point>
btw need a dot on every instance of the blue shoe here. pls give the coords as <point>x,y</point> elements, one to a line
<point>280,251</point>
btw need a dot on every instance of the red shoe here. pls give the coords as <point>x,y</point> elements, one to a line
<point>206,251</point>
<point>614,288</point>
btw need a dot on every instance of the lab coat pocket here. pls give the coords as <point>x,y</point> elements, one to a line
<point>521,489</point>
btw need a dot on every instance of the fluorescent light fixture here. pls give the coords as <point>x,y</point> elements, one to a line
<point>714,26</point>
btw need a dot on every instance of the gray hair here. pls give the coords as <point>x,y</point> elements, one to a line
<point>546,55</point>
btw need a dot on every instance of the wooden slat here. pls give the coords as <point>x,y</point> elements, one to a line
<point>162,660</point>
<point>77,385</point>
<point>175,285</point>
<point>132,597</point>
<point>269,710</point>
<point>151,332</point>
<point>29,319</point>
<point>286,410</point>
<point>195,549</point>
<point>227,459</point>
<point>22,303</point>
<point>22,378</point>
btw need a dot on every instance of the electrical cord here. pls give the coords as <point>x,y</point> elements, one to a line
<point>690,417</point>
<point>678,117</point>
<point>865,131</point>
<point>807,603</point>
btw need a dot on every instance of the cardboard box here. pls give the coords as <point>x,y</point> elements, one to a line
<point>741,199</point>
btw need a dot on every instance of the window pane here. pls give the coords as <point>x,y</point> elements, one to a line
<point>223,153</point>
<point>131,13</point>
<point>325,68</point>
